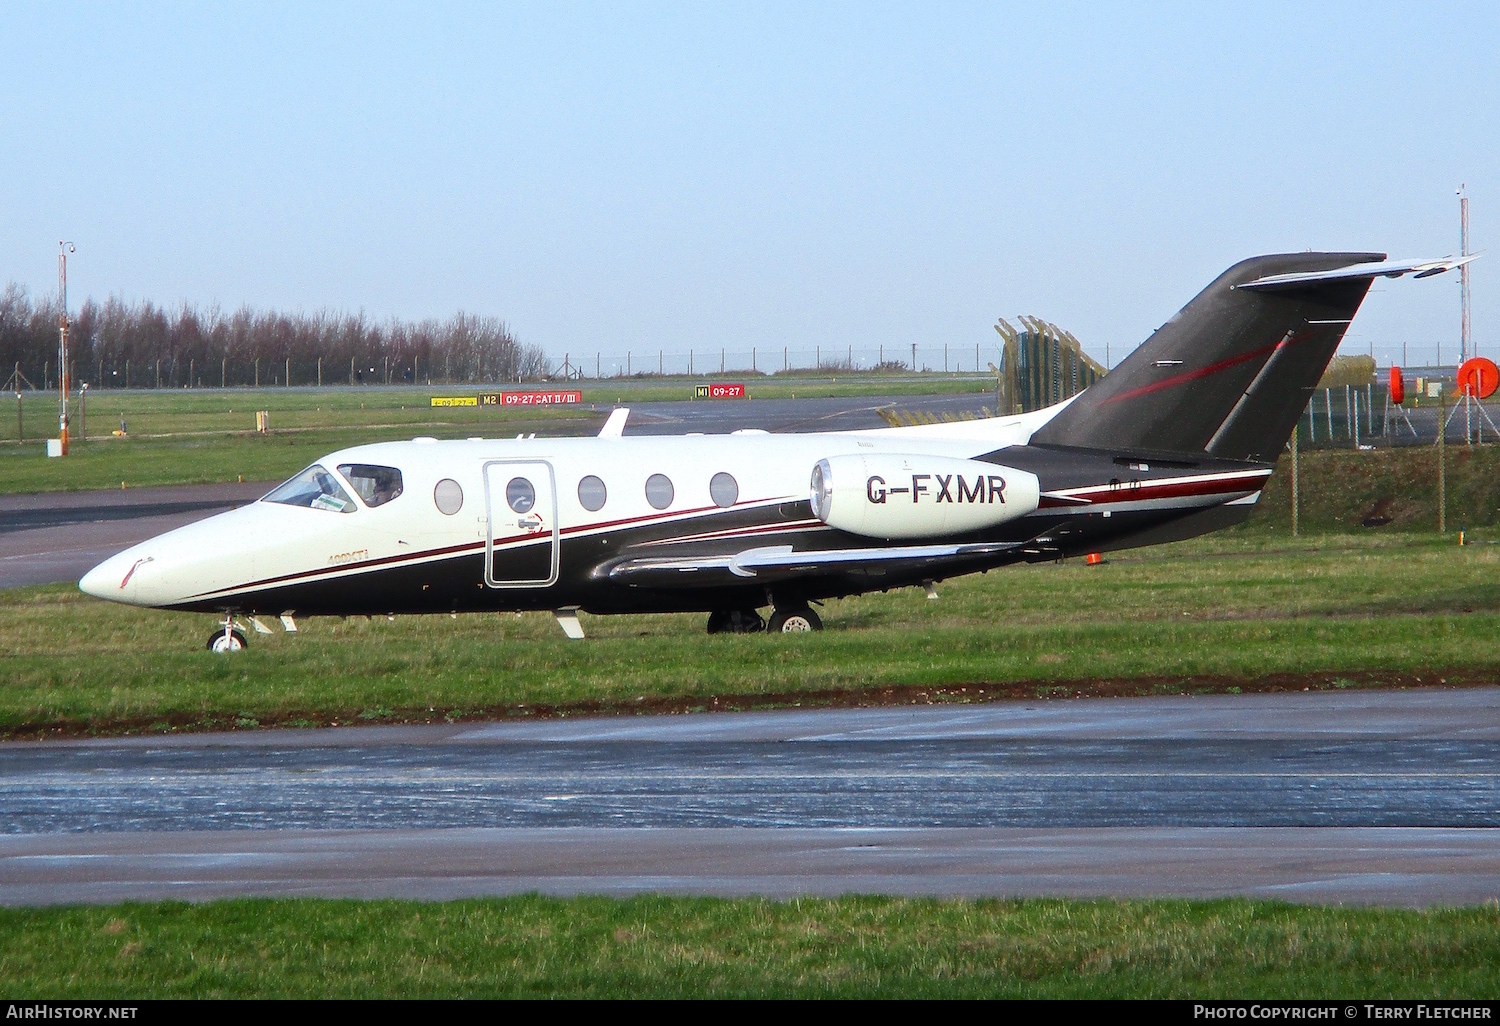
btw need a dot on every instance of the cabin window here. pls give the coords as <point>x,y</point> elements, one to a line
<point>724,489</point>
<point>314,488</point>
<point>448,496</point>
<point>659,491</point>
<point>376,485</point>
<point>520,495</point>
<point>592,493</point>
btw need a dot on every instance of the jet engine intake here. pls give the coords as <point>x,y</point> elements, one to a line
<point>895,496</point>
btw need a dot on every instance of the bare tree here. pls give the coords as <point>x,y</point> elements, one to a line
<point>237,348</point>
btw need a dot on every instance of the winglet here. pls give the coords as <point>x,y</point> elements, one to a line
<point>614,427</point>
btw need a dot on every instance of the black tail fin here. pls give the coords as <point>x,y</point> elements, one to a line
<point>1231,373</point>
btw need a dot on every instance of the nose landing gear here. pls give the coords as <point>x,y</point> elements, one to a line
<point>227,639</point>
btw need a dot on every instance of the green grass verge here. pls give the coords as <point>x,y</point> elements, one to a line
<point>681,947</point>
<point>1341,488</point>
<point>1217,614</point>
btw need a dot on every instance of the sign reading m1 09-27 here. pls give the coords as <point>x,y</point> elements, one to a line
<point>719,391</point>
<point>510,399</point>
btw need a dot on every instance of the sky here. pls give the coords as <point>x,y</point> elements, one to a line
<point>612,177</point>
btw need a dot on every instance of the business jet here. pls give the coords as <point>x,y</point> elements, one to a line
<point>1176,441</point>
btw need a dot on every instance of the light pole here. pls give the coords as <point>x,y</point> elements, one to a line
<point>63,249</point>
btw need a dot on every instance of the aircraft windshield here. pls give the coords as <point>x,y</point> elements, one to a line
<point>375,485</point>
<point>314,488</point>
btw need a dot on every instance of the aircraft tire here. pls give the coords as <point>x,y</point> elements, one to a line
<point>796,620</point>
<point>735,621</point>
<point>235,642</point>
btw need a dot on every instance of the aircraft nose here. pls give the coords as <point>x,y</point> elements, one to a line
<point>96,580</point>
<point>109,579</point>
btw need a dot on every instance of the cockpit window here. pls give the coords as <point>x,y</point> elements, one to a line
<point>375,485</point>
<point>315,488</point>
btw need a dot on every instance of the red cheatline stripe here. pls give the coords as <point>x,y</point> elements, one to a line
<point>1207,483</point>
<point>675,514</point>
<point>349,568</point>
<point>1203,372</point>
<point>798,525</point>
<point>403,558</point>
<point>1178,489</point>
<point>636,520</point>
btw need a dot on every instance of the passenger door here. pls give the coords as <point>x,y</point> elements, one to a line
<point>521,548</point>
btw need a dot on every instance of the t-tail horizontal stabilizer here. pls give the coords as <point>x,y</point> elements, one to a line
<point>1230,374</point>
<point>1383,269</point>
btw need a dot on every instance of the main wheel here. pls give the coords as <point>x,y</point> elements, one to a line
<point>746,621</point>
<point>234,641</point>
<point>794,621</point>
<point>735,621</point>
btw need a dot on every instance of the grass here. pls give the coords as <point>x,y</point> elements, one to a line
<point>1218,614</point>
<point>206,435</point>
<point>679,947</point>
<point>1341,488</point>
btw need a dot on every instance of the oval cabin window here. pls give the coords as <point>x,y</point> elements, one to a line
<point>448,496</point>
<point>659,491</point>
<point>724,489</point>
<point>592,493</point>
<point>520,495</point>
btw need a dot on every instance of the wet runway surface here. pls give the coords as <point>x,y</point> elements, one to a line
<point>1385,866</point>
<point>1365,796</point>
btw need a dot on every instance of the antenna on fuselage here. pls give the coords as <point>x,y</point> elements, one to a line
<point>614,427</point>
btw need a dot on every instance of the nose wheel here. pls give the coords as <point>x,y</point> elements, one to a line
<point>227,639</point>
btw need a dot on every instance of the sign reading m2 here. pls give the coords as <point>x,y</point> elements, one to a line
<point>898,496</point>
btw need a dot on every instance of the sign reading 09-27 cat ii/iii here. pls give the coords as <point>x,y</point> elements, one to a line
<point>897,496</point>
<point>510,399</point>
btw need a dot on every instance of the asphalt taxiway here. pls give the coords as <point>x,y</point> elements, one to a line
<point>1371,796</point>
<point>51,537</point>
<point>821,413</point>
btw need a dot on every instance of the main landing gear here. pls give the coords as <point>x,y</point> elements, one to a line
<point>228,638</point>
<point>792,619</point>
<point>735,621</point>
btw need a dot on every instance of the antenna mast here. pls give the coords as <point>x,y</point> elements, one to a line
<point>63,249</point>
<point>1465,343</point>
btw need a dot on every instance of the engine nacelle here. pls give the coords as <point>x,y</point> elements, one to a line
<point>894,496</point>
